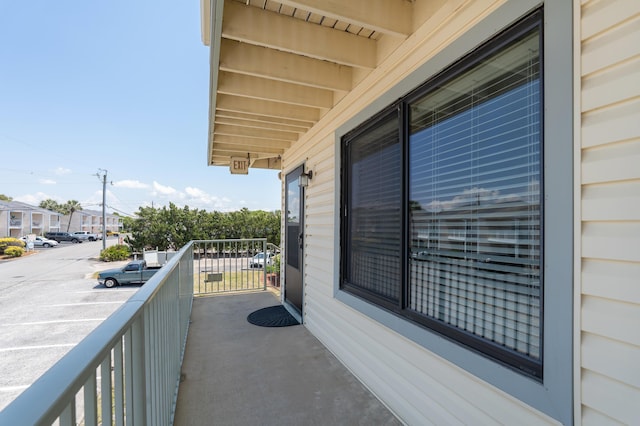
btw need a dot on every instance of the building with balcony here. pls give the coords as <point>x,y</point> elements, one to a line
<point>91,221</point>
<point>18,219</point>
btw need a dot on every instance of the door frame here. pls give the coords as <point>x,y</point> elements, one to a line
<point>294,176</point>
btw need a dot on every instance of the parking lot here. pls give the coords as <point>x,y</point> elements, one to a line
<point>49,302</point>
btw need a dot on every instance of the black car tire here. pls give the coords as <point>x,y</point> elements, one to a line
<point>110,283</point>
<point>46,245</point>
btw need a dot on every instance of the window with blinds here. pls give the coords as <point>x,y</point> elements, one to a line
<point>474,187</point>
<point>374,199</point>
<point>443,206</point>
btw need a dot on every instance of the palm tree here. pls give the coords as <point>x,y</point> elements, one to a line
<point>70,207</point>
<point>50,204</point>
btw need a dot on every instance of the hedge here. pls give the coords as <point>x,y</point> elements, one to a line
<point>10,242</point>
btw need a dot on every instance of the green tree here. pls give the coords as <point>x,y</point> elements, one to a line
<point>69,208</point>
<point>5,198</point>
<point>127,223</point>
<point>52,205</point>
<point>171,228</point>
<point>147,230</point>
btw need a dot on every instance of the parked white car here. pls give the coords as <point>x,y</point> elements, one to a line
<point>41,242</point>
<point>86,236</point>
<point>257,261</point>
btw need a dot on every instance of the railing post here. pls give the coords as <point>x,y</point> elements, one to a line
<point>265,266</point>
<point>105,390</point>
<point>118,384</point>
<point>90,401</point>
<point>138,373</point>
<point>68,415</point>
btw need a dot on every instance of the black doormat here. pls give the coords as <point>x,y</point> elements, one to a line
<point>273,316</point>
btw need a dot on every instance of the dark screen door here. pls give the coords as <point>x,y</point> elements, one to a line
<point>294,239</point>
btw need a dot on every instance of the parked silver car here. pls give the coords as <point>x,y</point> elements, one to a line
<point>41,242</point>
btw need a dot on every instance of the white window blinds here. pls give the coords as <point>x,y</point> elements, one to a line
<point>375,215</point>
<point>474,200</point>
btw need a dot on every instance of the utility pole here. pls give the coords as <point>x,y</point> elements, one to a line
<point>104,207</point>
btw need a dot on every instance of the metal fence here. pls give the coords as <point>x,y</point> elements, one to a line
<point>127,371</point>
<point>234,265</point>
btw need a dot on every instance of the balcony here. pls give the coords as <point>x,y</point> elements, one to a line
<point>167,357</point>
<point>258,375</point>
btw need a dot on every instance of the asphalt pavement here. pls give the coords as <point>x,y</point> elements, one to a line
<point>49,301</point>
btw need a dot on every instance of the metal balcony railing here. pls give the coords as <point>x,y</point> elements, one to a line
<point>233,265</point>
<point>125,372</point>
<point>134,357</point>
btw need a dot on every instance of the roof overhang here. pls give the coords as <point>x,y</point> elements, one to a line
<point>277,67</point>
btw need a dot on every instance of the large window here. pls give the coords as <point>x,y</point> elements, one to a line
<point>442,206</point>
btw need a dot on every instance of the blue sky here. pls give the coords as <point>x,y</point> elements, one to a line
<point>117,85</point>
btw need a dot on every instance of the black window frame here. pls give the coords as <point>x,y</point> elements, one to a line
<point>511,359</point>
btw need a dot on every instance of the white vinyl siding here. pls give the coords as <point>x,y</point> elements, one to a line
<point>417,385</point>
<point>610,210</point>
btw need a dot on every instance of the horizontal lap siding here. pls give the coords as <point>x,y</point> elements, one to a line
<point>610,210</point>
<point>420,387</point>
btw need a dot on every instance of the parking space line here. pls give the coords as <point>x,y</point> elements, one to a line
<point>13,388</point>
<point>52,322</point>
<point>26,348</point>
<point>84,304</point>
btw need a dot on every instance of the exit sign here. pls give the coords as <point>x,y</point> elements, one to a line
<point>239,166</point>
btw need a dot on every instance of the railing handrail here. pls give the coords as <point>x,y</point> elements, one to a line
<point>44,400</point>
<point>230,240</point>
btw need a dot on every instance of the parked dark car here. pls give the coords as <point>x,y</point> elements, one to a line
<point>62,236</point>
<point>135,272</point>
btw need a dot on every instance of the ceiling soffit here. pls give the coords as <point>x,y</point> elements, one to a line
<point>277,67</point>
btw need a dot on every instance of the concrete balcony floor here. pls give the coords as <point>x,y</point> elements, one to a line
<point>236,373</point>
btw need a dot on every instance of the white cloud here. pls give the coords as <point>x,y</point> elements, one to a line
<point>35,199</point>
<point>195,192</point>
<point>199,198</point>
<point>132,184</point>
<point>60,171</point>
<point>162,190</point>
<point>47,181</point>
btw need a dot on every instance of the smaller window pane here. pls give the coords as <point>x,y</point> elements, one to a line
<point>373,181</point>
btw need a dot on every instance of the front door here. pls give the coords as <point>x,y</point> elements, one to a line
<point>294,239</point>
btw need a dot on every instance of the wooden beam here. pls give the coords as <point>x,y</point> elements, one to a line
<point>240,153</point>
<point>391,17</point>
<point>258,61</point>
<point>296,125</point>
<point>267,108</point>
<point>258,125</point>
<point>240,140</point>
<point>261,88</point>
<point>272,163</point>
<point>241,150</point>
<point>264,28</point>
<point>225,129</point>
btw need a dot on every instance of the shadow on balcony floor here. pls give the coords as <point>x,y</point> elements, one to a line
<point>239,374</point>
